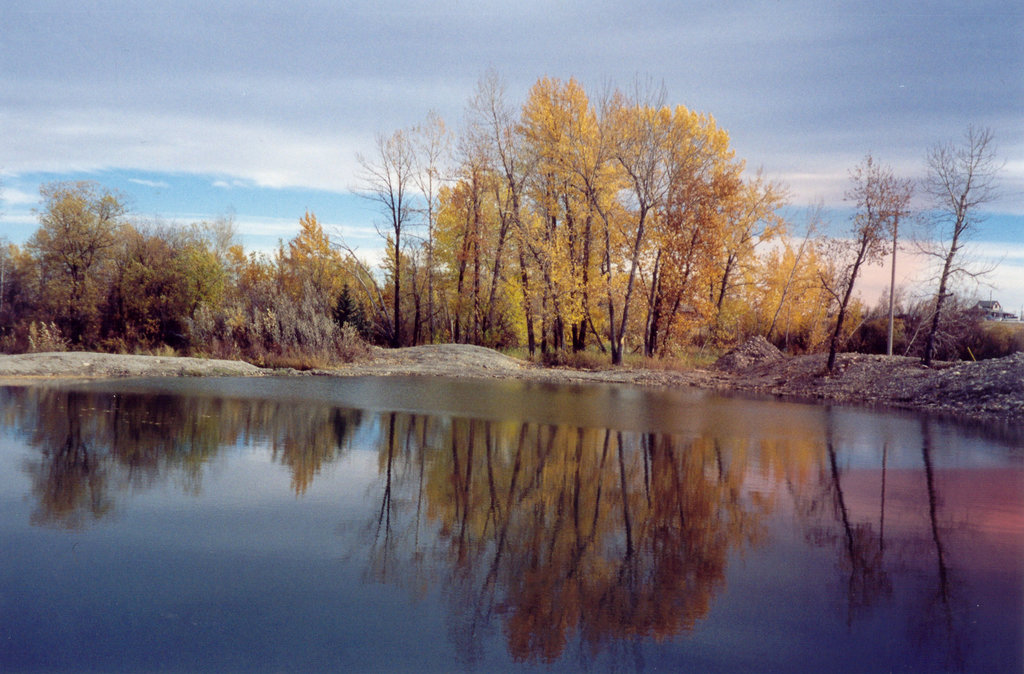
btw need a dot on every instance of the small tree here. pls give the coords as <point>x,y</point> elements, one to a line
<point>348,312</point>
<point>961,179</point>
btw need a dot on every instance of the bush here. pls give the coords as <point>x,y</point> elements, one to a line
<point>43,337</point>
<point>872,336</point>
<point>278,330</point>
<point>995,340</point>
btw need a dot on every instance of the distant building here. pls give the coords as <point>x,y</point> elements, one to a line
<point>991,310</point>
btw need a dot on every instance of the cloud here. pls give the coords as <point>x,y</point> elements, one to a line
<point>231,184</point>
<point>156,184</point>
<point>16,197</point>
<point>287,97</point>
<point>264,155</point>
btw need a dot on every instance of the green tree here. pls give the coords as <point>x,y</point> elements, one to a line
<point>347,311</point>
<point>78,230</point>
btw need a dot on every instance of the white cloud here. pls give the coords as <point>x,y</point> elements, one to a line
<point>10,196</point>
<point>231,184</point>
<point>156,184</point>
<point>264,155</point>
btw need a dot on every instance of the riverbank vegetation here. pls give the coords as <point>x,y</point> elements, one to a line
<point>575,229</point>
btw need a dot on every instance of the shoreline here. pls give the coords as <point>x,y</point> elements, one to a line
<point>989,391</point>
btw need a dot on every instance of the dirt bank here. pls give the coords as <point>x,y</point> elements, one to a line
<point>76,364</point>
<point>991,390</point>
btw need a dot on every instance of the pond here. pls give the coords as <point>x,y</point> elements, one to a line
<point>425,524</point>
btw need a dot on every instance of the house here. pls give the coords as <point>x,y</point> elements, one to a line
<point>991,310</point>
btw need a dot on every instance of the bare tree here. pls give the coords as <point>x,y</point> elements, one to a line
<point>961,179</point>
<point>387,179</point>
<point>880,198</point>
<point>431,141</point>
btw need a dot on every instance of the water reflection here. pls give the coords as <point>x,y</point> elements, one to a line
<point>570,541</point>
<point>562,531</point>
<point>94,443</point>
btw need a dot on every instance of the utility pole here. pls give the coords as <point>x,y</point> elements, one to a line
<point>892,287</point>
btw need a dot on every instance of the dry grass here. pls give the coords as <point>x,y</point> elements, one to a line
<point>594,359</point>
<point>680,362</point>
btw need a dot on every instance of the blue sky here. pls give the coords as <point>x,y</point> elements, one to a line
<point>197,109</point>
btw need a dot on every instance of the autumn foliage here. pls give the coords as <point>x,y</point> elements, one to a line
<point>565,226</point>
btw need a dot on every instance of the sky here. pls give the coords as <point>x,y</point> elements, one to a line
<point>196,110</point>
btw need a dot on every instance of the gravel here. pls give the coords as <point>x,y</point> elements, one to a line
<point>989,390</point>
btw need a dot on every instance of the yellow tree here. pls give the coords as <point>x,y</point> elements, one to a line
<point>690,226</point>
<point>310,262</point>
<point>560,130</point>
<point>788,304</point>
<point>752,215</point>
<point>640,126</point>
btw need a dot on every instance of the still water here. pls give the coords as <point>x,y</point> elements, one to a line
<point>428,524</point>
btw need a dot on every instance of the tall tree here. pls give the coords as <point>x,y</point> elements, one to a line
<point>388,178</point>
<point>492,126</point>
<point>689,232</point>
<point>961,179</point>
<point>878,197</point>
<point>753,219</point>
<point>555,117</point>
<point>431,150</point>
<point>641,124</point>
<point>78,226</point>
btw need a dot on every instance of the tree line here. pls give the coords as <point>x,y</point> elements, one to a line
<point>567,225</point>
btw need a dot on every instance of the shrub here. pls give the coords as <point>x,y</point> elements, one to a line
<point>995,340</point>
<point>44,337</point>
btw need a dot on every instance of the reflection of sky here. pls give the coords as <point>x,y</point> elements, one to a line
<point>249,476</point>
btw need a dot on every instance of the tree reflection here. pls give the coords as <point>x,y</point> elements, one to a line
<point>306,438</point>
<point>869,561</point>
<point>69,480</point>
<point>93,445</point>
<point>565,532</point>
<point>868,580</point>
<point>941,618</point>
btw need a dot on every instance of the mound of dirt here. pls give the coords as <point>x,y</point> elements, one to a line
<point>754,351</point>
<point>90,365</point>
